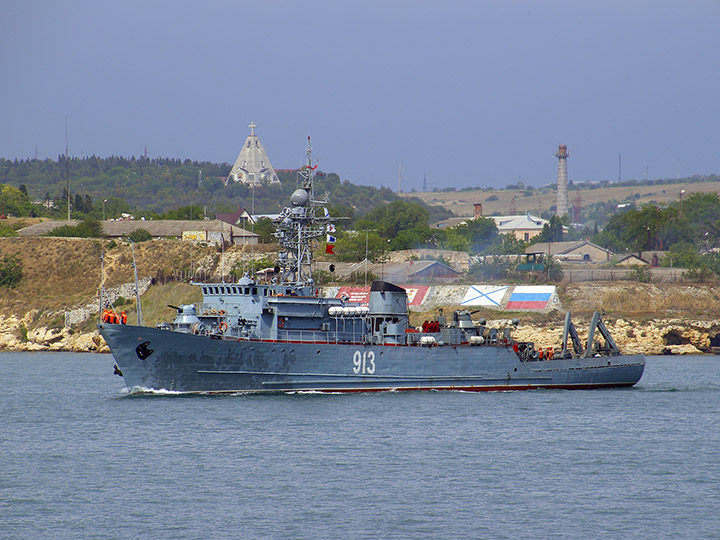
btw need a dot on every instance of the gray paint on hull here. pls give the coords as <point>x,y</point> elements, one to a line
<point>187,363</point>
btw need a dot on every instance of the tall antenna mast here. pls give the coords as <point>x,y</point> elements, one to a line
<point>305,220</point>
<point>67,170</point>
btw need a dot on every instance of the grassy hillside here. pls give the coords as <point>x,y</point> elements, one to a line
<point>63,273</point>
<point>461,202</point>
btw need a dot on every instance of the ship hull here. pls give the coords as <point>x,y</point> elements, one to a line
<point>153,359</point>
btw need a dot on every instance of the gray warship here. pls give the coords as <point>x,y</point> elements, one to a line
<point>284,336</point>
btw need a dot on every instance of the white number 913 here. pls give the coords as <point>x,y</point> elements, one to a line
<point>364,362</point>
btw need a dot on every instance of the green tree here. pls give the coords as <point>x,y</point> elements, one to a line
<point>506,244</point>
<point>192,211</point>
<point>265,228</point>
<point>88,228</point>
<point>552,231</point>
<point>392,218</point>
<point>455,239</point>
<point>683,255</point>
<point>13,201</point>
<point>350,246</point>
<point>79,205</point>
<point>410,239</point>
<point>140,235</point>
<point>649,228</point>
<point>10,271</point>
<point>481,233</point>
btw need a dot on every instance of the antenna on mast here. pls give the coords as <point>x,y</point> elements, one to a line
<point>67,169</point>
<point>298,225</point>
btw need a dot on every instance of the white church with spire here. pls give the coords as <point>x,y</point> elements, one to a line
<point>252,166</point>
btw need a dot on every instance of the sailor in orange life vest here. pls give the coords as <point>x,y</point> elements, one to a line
<point>123,317</point>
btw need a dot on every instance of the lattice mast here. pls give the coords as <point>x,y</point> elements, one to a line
<point>297,227</point>
<point>577,207</point>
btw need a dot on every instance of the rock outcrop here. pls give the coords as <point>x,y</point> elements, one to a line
<point>15,336</point>
<point>659,336</point>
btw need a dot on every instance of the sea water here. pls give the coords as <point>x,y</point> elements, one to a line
<point>80,458</point>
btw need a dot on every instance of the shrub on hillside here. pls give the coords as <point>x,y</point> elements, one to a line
<point>88,228</point>
<point>10,271</point>
<point>698,274</point>
<point>140,235</point>
<point>6,230</point>
<point>640,273</point>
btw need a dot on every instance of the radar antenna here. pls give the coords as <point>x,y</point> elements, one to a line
<point>298,225</point>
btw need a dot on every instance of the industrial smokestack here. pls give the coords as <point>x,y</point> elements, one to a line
<point>477,210</point>
<point>562,194</point>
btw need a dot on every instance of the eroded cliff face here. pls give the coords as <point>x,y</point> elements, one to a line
<point>15,336</point>
<point>659,336</point>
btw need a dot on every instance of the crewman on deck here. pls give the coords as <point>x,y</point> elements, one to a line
<point>123,317</point>
<point>540,353</point>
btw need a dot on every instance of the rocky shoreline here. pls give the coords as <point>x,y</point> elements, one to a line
<point>654,337</point>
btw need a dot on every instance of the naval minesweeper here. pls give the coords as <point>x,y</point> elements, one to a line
<point>284,336</point>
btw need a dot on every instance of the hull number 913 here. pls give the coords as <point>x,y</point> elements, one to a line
<point>364,362</point>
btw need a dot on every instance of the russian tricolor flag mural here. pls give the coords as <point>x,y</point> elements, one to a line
<point>530,297</point>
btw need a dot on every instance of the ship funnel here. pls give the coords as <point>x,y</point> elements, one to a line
<point>388,313</point>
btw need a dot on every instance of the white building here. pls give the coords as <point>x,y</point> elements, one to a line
<point>252,165</point>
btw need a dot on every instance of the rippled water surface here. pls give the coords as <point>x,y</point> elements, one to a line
<point>79,458</point>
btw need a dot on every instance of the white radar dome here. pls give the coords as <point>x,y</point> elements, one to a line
<point>299,197</point>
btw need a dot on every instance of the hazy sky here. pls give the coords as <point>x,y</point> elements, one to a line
<point>466,93</point>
